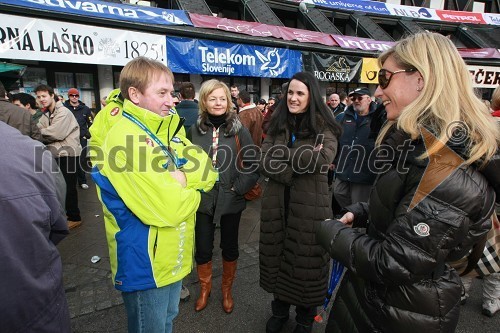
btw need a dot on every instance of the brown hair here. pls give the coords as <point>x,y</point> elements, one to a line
<point>139,72</point>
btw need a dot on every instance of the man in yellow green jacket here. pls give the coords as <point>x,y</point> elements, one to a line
<point>149,178</point>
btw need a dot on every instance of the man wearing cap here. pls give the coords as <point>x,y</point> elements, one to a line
<point>354,178</point>
<point>84,118</point>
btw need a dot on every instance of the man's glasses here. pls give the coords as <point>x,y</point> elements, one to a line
<point>74,95</point>
<point>384,79</point>
<point>357,98</point>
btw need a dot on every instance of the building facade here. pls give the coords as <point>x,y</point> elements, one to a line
<point>254,44</point>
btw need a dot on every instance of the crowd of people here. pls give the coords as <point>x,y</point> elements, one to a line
<point>396,186</point>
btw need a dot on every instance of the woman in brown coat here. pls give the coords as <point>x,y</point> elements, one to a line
<point>301,143</point>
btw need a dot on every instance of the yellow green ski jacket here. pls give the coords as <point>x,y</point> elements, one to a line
<point>149,217</point>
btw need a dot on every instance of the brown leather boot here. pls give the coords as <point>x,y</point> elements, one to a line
<point>205,278</point>
<point>228,273</point>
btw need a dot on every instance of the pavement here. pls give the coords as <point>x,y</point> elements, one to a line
<point>95,306</point>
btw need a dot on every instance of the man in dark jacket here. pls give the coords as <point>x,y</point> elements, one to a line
<point>32,223</point>
<point>335,105</point>
<point>354,177</point>
<point>17,117</point>
<point>187,108</point>
<point>84,118</point>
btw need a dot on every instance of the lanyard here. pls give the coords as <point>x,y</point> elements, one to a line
<point>165,150</point>
<point>215,146</point>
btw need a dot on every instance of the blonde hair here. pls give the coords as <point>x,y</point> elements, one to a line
<point>495,99</point>
<point>207,88</point>
<point>447,101</point>
<point>139,72</point>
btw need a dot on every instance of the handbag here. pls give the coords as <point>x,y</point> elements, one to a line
<point>256,191</point>
<point>490,260</point>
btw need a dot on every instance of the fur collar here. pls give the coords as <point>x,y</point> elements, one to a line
<point>231,126</point>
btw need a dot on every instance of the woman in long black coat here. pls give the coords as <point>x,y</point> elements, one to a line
<point>300,144</point>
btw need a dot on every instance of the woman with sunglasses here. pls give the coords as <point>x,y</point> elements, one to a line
<point>420,214</point>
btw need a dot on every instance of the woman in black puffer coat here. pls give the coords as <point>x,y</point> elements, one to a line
<point>299,146</point>
<point>420,215</point>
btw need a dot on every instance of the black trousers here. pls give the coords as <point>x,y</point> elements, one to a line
<point>68,166</point>
<point>80,171</point>
<point>304,315</point>
<point>204,236</point>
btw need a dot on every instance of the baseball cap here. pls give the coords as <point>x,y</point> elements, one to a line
<point>262,101</point>
<point>73,91</point>
<point>360,91</point>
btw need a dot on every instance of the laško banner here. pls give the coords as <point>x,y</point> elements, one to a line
<point>198,56</point>
<point>332,68</point>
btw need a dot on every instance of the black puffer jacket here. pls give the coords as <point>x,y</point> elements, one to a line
<point>398,280</point>
<point>293,266</point>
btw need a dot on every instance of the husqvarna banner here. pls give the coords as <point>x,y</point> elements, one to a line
<point>109,10</point>
<point>197,56</point>
<point>332,68</point>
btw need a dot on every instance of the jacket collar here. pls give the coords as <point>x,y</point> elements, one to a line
<point>163,127</point>
<point>350,109</point>
<point>231,127</point>
<point>247,107</point>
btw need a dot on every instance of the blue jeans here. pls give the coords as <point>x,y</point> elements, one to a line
<point>153,310</point>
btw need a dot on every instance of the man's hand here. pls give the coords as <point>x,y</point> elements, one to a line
<point>179,176</point>
<point>318,147</point>
<point>347,219</point>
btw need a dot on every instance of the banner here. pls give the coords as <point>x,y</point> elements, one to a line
<point>45,40</point>
<point>261,30</point>
<point>349,42</point>
<point>197,56</point>
<point>358,5</point>
<point>462,17</point>
<point>413,12</point>
<point>489,53</point>
<point>377,7</point>
<point>484,76</point>
<point>369,71</point>
<point>490,18</point>
<point>332,68</point>
<point>108,10</point>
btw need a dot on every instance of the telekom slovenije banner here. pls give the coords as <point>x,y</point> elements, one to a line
<point>198,56</point>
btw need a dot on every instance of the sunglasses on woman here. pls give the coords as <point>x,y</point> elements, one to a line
<point>384,81</point>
